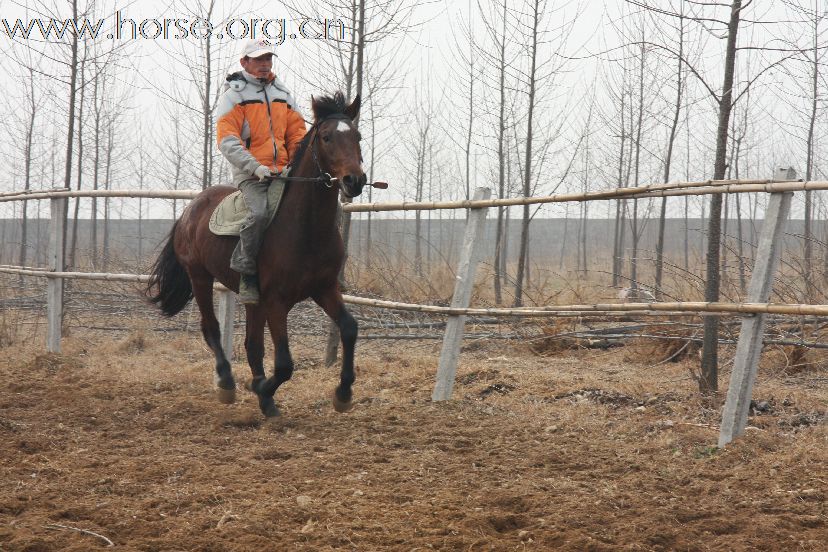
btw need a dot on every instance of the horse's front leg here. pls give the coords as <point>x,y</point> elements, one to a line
<point>331,303</point>
<point>254,346</point>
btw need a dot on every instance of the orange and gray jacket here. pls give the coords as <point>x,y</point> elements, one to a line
<point>257,124</point>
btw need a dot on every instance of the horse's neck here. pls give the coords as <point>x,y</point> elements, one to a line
<point>313,204</point>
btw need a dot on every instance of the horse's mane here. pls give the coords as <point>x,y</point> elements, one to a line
<point>322,107</point>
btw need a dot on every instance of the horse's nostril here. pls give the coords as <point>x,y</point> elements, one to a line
<point>348,179</point>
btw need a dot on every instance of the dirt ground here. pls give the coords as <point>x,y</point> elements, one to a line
<point>121,438</point>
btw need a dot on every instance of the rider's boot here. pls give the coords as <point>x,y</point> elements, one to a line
<point>249,289</point>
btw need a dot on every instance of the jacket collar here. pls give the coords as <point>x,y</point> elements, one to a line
<point>254,80</point>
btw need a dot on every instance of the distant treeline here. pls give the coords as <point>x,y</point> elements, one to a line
<point>550,239</point>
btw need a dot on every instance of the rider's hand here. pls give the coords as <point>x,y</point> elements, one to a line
<point>262,172</point>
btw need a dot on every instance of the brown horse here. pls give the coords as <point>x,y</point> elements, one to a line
<point>301,256</point>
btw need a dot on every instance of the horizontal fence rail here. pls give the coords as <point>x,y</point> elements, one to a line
<point>706,187</point>
<point>709,187</point>
<point>677,308</point>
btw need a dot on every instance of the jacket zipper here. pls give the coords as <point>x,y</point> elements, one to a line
<point>270,125</point>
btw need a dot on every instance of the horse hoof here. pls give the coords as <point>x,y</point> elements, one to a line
<point>226,396</point>
<point>341,406</point>
<point>269,408</point>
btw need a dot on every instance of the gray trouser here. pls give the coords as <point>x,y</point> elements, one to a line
<point>252,230</point>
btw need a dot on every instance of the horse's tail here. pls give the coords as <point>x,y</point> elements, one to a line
<point>170,279</point>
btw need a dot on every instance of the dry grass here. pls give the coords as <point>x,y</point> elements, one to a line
<point>583,450</point>
<point>8,331</point>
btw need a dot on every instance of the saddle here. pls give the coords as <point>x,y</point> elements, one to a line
<point>228,216</point>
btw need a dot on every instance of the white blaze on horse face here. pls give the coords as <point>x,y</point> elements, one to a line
<point>343,126</point>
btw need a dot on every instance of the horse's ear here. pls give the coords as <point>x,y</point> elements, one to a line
<point>352,110</point>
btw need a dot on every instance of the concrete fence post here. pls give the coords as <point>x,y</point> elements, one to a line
<point>227,318</point>
<point>54,288</point>
<point>749,347</point>
<point>453,338</point>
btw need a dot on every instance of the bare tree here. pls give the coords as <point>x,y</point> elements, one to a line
<point>54,58</point>
<point>709,380</point>
<point>108,105</point>
<point>25,121</point>
<point>726,29</point>
<point>585,181</point>
<point>807,78</point>
<point>536,7</point>
<point>175,151</point>
<point>79,177</point>
<point>198,63</point>
<point>496,17</point>
<point>668,157</point>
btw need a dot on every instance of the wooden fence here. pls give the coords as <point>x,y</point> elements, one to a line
<point>748,348</point>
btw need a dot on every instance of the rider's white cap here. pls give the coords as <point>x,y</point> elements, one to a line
<point>257,47</point>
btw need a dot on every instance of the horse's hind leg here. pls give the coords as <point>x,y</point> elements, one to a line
<point>254,345</point>
<point>203,292</point>
<point>331,303</point>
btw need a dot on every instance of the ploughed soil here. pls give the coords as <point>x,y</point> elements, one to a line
<point>121,438</point>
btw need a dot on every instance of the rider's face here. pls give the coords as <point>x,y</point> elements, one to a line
<point>259,67</point>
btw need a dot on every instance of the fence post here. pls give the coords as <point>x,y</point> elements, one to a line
<point>227,317</point>
<point>54,287</point>
<point>749,347</point>
<point>469,257</point>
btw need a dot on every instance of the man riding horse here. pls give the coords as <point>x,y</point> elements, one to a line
<point>258,131</point>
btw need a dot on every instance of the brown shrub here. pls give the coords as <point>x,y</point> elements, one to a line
<point>553,344</point>
<point>673,344</point>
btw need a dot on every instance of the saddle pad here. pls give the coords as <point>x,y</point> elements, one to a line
<point>228,216</point>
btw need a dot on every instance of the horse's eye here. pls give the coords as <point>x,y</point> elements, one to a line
<point>326,138</point>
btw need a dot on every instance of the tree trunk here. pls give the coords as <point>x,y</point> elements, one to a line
<point>110,144</point>
<point>206,119</point>
<point>636,235</point>
<point>368,243</point>
<point>740,244</point>
<point>93,239</point>
<point>527,175</point>
<point>618,240</point>
<point>709,379</point>
<point>140,215</point>
<point>418,215</point>
<point>73,248</point>
<point>662,218</point>
<point>809,163</point>
<point>499,262</point>
<point>27,174</point>
<point>564,238</point>
<point>70,130</point>
<point>504,256</point>
<point>686,234</point>
<point>584,240</point>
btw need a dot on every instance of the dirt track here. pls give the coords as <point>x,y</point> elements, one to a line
<point>584,452</point>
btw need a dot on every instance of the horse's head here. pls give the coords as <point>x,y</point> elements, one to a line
<point>336,143</point>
